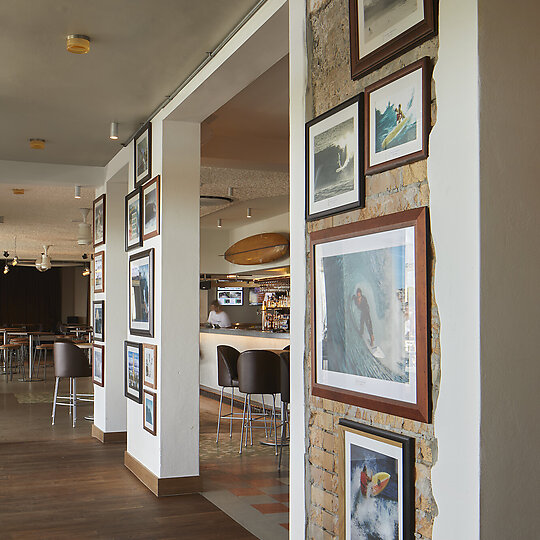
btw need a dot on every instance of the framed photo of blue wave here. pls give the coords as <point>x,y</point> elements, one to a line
<point>369,314</point>
<point>141,293</point>
<point>133,381</point>
<point>376,483</point>
<point>398,118</point>
<point>334,160</point>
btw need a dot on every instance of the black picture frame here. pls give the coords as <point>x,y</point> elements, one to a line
<point>399,37</point>
<point>99,217</point>
<point>98,336</point>
<point>98,360</point>
<point>373,441</point>
<point>142,290</point>
<point>133,393</point>
<point>142,163</point>
<point>136,194</point>
<point>327,163</point>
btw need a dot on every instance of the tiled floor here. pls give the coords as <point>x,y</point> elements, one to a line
<point>247,487</point>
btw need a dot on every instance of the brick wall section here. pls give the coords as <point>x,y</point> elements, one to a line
<point>388,192</point>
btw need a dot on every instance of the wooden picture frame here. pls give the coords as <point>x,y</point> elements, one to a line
<point>98,365</point>
<point>379,32</point>
<point>141,293</point>
<point>133,371</point>
<point>369,314</point>
<point>149,412</point>
<point>150,366</point>
<point>142,163</point>
<point>335,161</point>
<point>399,134</point>
<point>133,219</point>
<point>151,208</point>
<point>98,320</point>
<point>375,481</point>
<point>98,220</point>
<point>99,272</point>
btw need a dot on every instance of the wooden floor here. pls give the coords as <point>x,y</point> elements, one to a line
<point>59,483</point>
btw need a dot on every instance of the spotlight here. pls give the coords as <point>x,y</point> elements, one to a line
<point>77,44</point>
<point>86,271</point>
<point>15,261</point>
<point>6,269</point>
<point>77,192</point>
<point>219,223</point>
<point>248,215</point>
<point>230,191</point>
<point>6,254</point>
<point>114,131</point>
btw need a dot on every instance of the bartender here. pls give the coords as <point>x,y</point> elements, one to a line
<point>217,316</point>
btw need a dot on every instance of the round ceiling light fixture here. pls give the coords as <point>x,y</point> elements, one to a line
<point>113,135</point>
<point>37,144</point>
<point>77,43</point>
<point>214,200</point>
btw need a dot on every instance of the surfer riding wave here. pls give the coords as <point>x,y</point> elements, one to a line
<point>365,315</point>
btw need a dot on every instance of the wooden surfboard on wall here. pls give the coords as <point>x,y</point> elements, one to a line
<point>258,249</point>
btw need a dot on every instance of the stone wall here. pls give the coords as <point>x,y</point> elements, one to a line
<point>388,192</point>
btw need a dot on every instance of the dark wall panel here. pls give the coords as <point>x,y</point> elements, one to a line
<point>31,297</point>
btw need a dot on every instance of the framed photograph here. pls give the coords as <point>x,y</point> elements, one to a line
<point>150,365</point>
<point>376,483</point>
<point>334,168</point>
<point>133,219</point>
<point>141,293</point>
<point>383,29</point>
<point>149,412</point>
<point>369,315</point>
<point>132,371</point>
<point>98,216</point>
<point>98,365</point>
<point>143,155</point>
<point>150,195</point>
<point>398,118</point>
<point>99,320</point>
<point>99,272</point>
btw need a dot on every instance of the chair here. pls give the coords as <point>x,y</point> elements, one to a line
<point>285,380</point>
<point>286,348</point>
<point>258,373</point>
<point>227,359</point>
<point>9,349</point>
<point>42,349</point>
<point>69,362</point>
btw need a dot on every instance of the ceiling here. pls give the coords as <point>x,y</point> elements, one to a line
<point>140,52</point>
<point>43,215</point>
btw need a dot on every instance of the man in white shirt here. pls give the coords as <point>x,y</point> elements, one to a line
<point>217,316</point>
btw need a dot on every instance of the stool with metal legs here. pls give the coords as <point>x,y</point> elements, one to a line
<point>9,349</point>
<point>69,362</point>
<point>258,373</point>
<point>227,359</point>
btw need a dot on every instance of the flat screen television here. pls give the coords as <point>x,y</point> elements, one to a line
<point>230,296</point>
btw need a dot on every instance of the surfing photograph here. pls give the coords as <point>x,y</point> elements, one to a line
<point>379,21</point>
<point>98,272</point>
<point>150,367</point>
<point>365,314</point>
<point>140,305</point>
<point>133,220</point>
<point>398,118</point>
<point>98,366</point>
<point>99,222</point>
<point>149,412</point>
<point>98,320</point>
<point>334,163</point>
<point>142,156</point>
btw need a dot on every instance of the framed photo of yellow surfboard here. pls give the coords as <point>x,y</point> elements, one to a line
<point>398,118</point>
<point>376,483</point>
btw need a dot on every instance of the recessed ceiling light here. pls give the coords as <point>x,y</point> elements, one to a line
<point>37,144</point>
<point>77,44</point>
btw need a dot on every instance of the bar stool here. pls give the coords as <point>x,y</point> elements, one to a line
<point>9,349</point>
<point>285,380</point>
<point>42,350</point>
<point>69,362</point>
<point>258,373</point>
<point>227,359</point>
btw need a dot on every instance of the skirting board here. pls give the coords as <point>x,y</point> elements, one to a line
<point>109,437</point>
<point>162,487</point>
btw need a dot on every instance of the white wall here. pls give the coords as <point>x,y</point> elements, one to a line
<point>453,172</point>
<point>214,243</point>
<point>298,81</point>
<point>75,293</point>
<point>510,258</point>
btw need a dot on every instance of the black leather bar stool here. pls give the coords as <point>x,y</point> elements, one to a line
<point>258,373</point>
<point>69,362</point>
<point>285,380</point>
<point>227,359</point>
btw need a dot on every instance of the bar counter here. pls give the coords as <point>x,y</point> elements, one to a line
<point>242,340</point>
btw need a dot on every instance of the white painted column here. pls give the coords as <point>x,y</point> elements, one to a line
<point>453,172</point>
<point>109,401</point>
<point>297,97</point>
<point>174,451</point>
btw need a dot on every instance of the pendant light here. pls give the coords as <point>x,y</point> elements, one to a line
<point>113,135</point>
